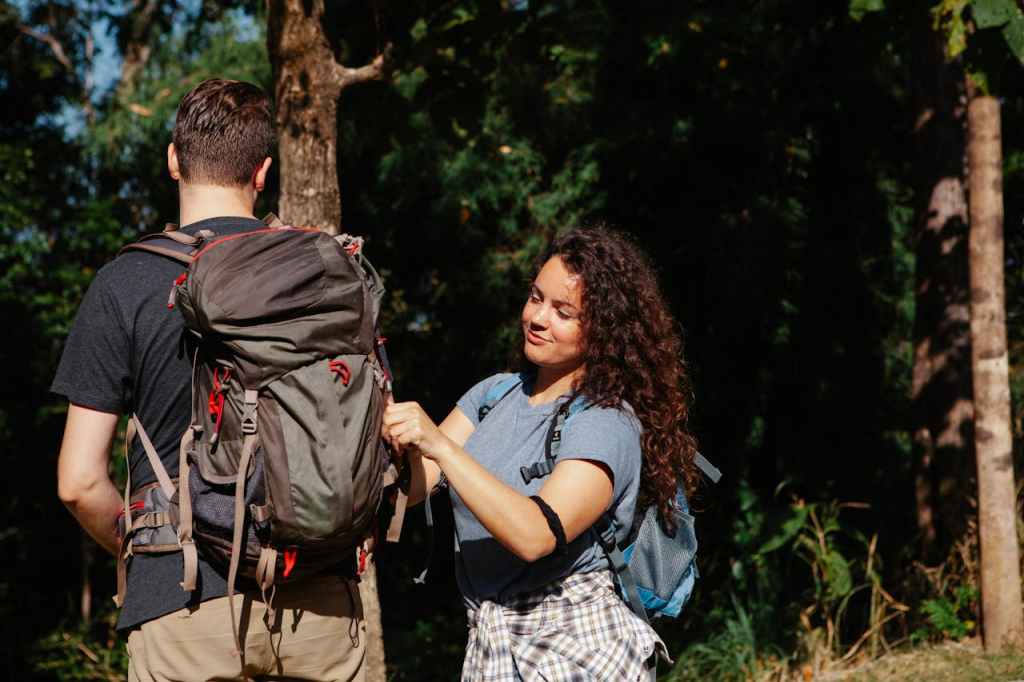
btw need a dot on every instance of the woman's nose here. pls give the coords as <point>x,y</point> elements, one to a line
<point>539,316</point>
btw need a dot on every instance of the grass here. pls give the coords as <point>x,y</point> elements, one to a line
<point>962,661</point>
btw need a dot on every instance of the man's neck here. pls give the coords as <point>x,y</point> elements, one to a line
<point>199,202</point>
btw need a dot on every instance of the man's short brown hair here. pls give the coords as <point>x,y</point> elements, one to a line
<point>223,132</point>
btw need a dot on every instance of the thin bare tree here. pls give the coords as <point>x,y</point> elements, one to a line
<point>1001,607</point>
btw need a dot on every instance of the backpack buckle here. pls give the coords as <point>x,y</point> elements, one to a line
<point>249,424</point>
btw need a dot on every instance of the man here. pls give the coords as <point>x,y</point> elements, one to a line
<point>125,355</point>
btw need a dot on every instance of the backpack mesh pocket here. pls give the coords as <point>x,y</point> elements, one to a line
<point>660,561</point>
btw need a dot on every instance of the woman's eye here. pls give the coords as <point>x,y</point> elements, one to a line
<point>565,316</point>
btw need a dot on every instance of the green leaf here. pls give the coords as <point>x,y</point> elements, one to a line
<point>789,529</point>
<point>1014,34</point>
<point>837,572</point>
<point>861,8</point>
<point>989,13</point>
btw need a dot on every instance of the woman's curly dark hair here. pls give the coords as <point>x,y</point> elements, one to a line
<point>633,352</point>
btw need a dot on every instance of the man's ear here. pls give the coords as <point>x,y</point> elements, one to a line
<point>259,179</point>
<point>172,162</point>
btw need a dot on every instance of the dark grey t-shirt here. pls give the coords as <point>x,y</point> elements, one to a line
<point>513,435</point>
<point>125,354</point>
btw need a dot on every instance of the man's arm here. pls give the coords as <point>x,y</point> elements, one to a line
<point>83,477</point>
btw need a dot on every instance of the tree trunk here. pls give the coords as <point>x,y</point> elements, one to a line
<point>1002,614</point>
<point>307,84</point>
<point>376,667</point>
<point>941,403</point>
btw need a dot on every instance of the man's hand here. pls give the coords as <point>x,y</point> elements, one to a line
<point>83,480</point>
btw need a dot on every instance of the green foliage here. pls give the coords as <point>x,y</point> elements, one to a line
<point>861,8</point>
<point>951,616</point>
<point>949,18</point>
<point>75,651</point>
<point>735,652</point>
<point>989,13</point>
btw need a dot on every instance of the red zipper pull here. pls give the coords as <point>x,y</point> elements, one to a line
<point>291,555</point>
<point>174,289</point>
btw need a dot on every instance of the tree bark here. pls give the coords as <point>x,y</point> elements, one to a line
<point>307,83</point>
<point>138,43</point>
<point>942,410</point>
<point>376,666</point>
<point>1002,612</point>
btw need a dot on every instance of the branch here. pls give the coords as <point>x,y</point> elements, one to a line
<point>55,46</point>
<point>373,71</point>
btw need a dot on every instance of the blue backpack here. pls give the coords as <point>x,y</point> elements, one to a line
<point>656,571</point>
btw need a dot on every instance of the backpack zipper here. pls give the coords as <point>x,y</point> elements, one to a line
<point>215,242</point>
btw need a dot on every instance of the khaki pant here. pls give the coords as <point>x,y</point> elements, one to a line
<point>317,634</point>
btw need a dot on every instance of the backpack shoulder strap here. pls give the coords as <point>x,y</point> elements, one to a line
<point>709,469</point>
<point>171,244</point>
<point>553,442</point>
<point>498,392</point>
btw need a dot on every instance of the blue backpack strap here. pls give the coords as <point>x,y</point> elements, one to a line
<point>498,392</point>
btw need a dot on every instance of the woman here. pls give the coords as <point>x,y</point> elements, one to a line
<point>542,602</point>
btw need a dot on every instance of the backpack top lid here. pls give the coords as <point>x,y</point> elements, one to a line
<point>275,299</point>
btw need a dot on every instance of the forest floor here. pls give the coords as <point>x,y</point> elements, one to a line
<point>962,661</point>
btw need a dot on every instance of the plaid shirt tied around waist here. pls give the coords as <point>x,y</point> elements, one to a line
<point>576,629</point>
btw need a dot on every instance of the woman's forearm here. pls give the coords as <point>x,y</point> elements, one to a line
<point>512,518</point>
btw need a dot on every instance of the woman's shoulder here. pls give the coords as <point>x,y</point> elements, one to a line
<point>620,418</point>
<point>489,390</point>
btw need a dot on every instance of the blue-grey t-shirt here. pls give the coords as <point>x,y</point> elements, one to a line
<point>514,435</point>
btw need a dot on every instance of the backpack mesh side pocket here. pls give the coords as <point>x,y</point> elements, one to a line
<point>663,565</point>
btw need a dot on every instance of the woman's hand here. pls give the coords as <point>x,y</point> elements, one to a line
<point>406,424</point>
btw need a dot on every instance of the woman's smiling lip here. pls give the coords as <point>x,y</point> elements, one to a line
<point>534,339</point>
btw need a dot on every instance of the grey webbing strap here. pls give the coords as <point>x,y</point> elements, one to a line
<point>128,435</point>
<point>552,445</point>
<point>249,425</point>
<point>429,513</point>
<point>122,569</point>
<point>605,531</point>
<point>190,558</point>
<point>248,445</point>
<point>398,518</point>
<point>151,520</point>
<point>709,469</point>
<point>166,485</point>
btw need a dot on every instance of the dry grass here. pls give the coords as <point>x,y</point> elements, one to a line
<point>948,662</point>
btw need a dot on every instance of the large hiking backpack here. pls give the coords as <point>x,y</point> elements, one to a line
<point>282,468</point>
<point>656,569</point>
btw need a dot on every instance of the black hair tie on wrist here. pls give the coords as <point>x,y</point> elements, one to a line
<point>554,523</point>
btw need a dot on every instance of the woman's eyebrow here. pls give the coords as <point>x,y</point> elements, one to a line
<point>557,302</point>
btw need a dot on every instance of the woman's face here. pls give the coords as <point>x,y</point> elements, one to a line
<point>551,318</point>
